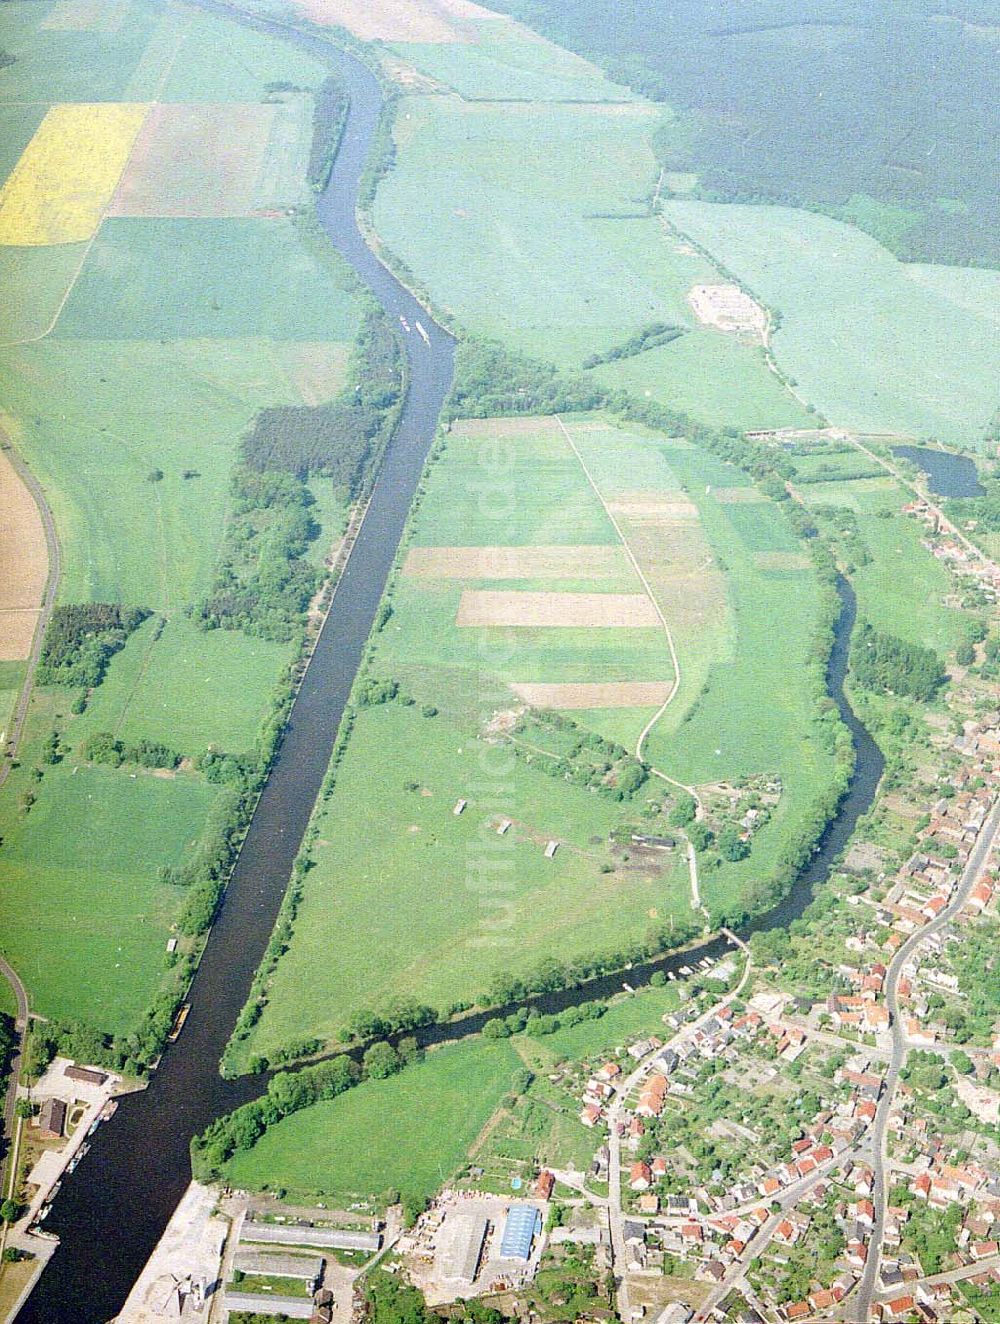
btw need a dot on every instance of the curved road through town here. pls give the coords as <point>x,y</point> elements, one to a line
<point>987,839</point>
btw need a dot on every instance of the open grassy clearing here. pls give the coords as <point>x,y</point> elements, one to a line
<point>507,62</point>
<point>490,207</point>
<point>187,689</point>
<point>222,282</point>
<point>416,901</point>
<point>409,1133</point>
<point>18,124</point>
<point>194,57</point>
<point>35,282</point>
<point>85,920</point>
<point>711,376</point>
<point>95,418</point>
<point>849,307</point>
<point>901,589</point>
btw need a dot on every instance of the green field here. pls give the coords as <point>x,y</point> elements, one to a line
<point>186,688</point>
<point>491,207</point>
<point>509,63</point>
<point>94,418</point>
<point>541,497</point>
<point>902,587</point>
<point>411,900</point>
<point>409,1133</point>
<point>129,402</point>
<point>85,920</point>
<point>226,279</point>
<point>849,308</point>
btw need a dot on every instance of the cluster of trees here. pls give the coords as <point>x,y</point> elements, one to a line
<point>8,1044</point>
<point>888,665</point>
<point>390,1300</point>
<point>587,760</point>
<point>985,510</point>
<point>81,638</point>
<point>263,584</point>
<point>287,1092</point>
<point>537,1025</point>
<point>398,1016</point>
<point>104,747</point>
<point>490,380</point>
<point>329,116</point>
<point>551,974</point>
<point>656,333</point>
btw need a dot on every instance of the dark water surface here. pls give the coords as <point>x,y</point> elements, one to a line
<point>947,475</point>
<point>112,1211</point>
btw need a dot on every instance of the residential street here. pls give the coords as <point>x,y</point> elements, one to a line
<point>987,838</point>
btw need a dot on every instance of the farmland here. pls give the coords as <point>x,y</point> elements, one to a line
<point>344,1150</point>
<point>523,193</point>
<point>848,307</point>
<point>711,550</point>
<point>156,302</point>
<point>58,191</point>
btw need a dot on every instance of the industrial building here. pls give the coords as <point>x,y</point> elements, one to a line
<point>523,1224</point>
<point>459,1248</point>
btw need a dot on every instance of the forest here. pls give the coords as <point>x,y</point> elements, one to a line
<point>887,665</point>
<point>876,114</point>
<point>81,638</point>
<point>263,583</point>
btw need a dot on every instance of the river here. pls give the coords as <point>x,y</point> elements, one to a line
<point>112,1211</point>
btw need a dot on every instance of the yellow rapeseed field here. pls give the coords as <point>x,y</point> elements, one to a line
<point>58,191</point>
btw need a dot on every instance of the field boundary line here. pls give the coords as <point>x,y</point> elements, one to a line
<point>696,903</point>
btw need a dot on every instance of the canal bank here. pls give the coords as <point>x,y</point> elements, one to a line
<point>113,1211</point>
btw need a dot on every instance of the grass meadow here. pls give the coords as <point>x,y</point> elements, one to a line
<point>147,352</point>
<point>409,1133</point>
<point>85,919</point>
<point>492,206</point>
<point>509,63</point>
<point>406,899</point>
<point>902,587</point>
<point>849,308</point>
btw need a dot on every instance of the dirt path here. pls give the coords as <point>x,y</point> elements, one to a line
<point>675,660</point>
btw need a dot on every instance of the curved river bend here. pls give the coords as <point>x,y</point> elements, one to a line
<point>113,1210</point>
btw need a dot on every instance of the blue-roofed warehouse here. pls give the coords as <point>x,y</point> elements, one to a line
<point>523,1223</point>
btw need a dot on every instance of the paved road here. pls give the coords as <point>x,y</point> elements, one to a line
<point>616,1217</point>
<point>977,859</point>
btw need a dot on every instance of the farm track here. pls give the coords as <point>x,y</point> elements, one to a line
<point>696,903</point>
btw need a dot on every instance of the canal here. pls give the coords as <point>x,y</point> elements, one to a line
<point>112,1212</point>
